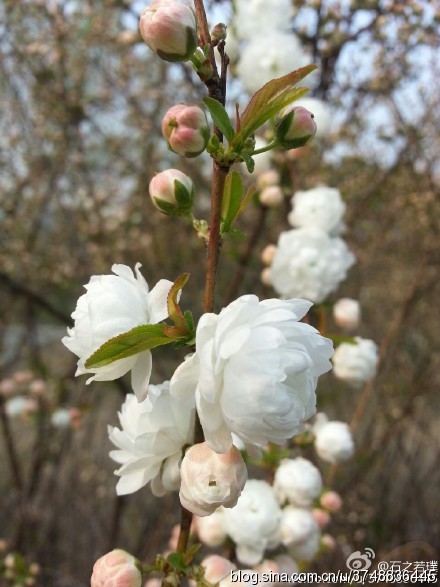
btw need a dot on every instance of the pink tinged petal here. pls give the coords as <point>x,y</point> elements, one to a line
<point>157,301</point>
<point>184,381</point>
<point>140,375</point>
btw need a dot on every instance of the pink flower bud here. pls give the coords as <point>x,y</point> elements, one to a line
<point>217,568</point>
<point>295,127</point>
<point>116,569</point>
<point>328,542</point>
<point>169,29</point>
<point>266,276</point>
<point>186,130</point>
<point>172,192</point>
<point>322,517</point>
<point>271,196</point>
<point>347,313</point>
<point>331,501</point>
<point>211,480</point>
<point>268,253</point>
<point>267,178</point>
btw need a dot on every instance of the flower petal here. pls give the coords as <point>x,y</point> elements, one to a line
<point>140,375</point>
<point>157,301</point>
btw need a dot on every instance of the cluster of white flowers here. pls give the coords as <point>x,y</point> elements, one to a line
<point>321,207</point>
<point>289,513</point>
<point>252,358</point>
<point>263,30</point>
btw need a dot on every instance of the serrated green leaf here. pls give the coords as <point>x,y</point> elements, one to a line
<point>232,197</point>
<point>220,117</point>
<point>268,100</point>
<point>127,344</point>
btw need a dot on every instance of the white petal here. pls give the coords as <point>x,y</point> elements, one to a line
<point>140,375</point>
<point>235,340</point>
<point>157,301</point>
<point>184,381</point>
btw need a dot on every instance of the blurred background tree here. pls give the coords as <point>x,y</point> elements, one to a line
<point>83,99</point>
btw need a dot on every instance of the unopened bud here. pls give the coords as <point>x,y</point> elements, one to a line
<point>295,127</point>
<point>322,517</point>
<point>267,178</point>
<point>347,313</point>
<point>116,569</point>
<point>271,196</point>
<point>268,254</point>
<point>218,34</point>
<point>210,479</point>
<point>331,501</point>
<point>186,130</point>
<point>169,29</point>
<point>266,276</point>
<point>172,192</point>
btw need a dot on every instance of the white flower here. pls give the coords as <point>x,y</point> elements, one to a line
<point>321,207</point>
<point>254,523</point>
<point>333,439</point>
<point>347,313</point>
<point>269,56</point>
<point>115,304</point>
<point>356,363</point>
<point>300,532</point>
<point>254,18</point>
<point>211,529</point>
<point>254,358</point>
<point>309,264</point>
<point>16,406</point>
<point>319,109</point>
<point>217,568</point>
<point>150,443</point>
<point>211,480</point>
<point>61,418</point>
<point>298,481</point>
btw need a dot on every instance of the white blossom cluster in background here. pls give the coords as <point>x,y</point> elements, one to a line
<point>292,513</point>
<point>311,260</point>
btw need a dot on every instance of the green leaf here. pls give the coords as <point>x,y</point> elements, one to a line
<point>250,163</point>
<point>176,560</point>
<point>232,196</point>
<point>137,340</point>
<point>252,190</point>
<point>220,117</point>
<point>269,100</point>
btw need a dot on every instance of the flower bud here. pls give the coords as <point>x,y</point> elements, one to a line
<point>322,518</point>
<point>116,569</point>
<point>186,130</point>
<point>218,33</point>
<point>346,313</point>
<point>266,277</point>
<point>210,479</point>
<point>211,529</point>
<point>271,196</point>
<point>295,127</point>
<point>172,192</point>
<point>169,29</point>
<point>331,501</point>
<point>268,254</point>
<point>267,178</point>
